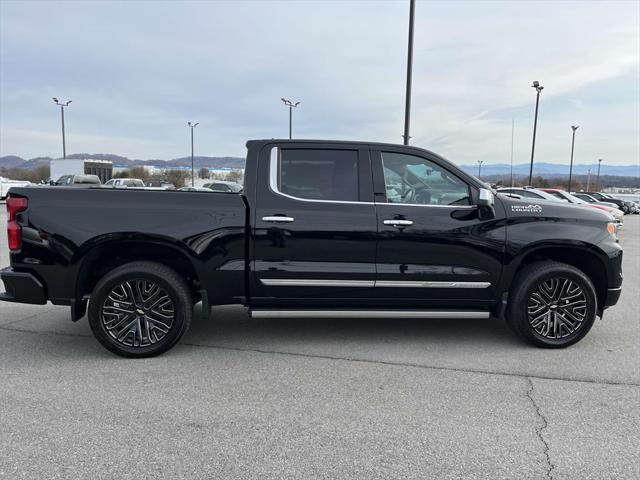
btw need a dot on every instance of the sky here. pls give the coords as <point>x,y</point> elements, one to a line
<point>136,72</point>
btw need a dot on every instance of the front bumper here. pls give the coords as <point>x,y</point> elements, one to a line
<point>613,295</point>
<point>22,287</point>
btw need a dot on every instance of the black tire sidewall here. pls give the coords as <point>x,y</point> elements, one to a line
<point>528,283</point>
<point>177,293</point>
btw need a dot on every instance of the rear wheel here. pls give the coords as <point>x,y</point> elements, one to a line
<point>551,304</point>
<point>140,309</point>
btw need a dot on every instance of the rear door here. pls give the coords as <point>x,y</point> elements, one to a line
<point>433,249</point>
<point>314,225</point>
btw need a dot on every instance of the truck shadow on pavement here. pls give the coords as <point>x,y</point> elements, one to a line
<point>232,327</point>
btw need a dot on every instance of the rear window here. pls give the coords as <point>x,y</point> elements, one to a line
<point>86,179</point>
<point>319,174</point>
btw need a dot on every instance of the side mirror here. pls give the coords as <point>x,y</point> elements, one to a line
<point>485,198</point>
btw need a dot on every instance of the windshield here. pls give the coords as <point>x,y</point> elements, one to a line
<point>572,198</point>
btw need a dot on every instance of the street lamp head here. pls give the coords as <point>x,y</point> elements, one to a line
<point>575,127</point>
<point>599,160</point>
<point>55,99</point>
<point>297,103</point>
<point>537,86</point>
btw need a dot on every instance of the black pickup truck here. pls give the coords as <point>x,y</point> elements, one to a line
<point>321,229</point>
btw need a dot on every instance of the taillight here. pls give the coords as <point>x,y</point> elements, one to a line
<point>15,205</point>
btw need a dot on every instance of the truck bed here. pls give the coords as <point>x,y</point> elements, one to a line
<point>204,232</point>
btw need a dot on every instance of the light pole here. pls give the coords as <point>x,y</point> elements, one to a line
<point>291,106</point>
<point>573,140</point>
<point>62,105</point>
<point>598,177</point>
<point>512,129</point>
<point>192,126</point>
<point>480,162</point>
<point>407,102</point>
<point>538,88</point>
<point>588,179</point>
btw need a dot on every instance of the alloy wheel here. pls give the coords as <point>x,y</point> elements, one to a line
<point>557,308</point>
<point>138,313</point>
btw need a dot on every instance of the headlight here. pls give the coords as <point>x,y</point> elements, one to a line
<point>612,229</point>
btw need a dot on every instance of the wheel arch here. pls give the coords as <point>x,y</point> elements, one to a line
<point>105,255</point>
<point>586,258</point>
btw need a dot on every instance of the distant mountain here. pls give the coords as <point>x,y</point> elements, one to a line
<point>553,169</point>
<point>13,161</point>
<point>539,169</point>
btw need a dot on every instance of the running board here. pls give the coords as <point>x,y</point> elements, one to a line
<point>462,314</point>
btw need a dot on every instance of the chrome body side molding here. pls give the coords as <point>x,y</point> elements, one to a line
<point>303,282</point>
<point>461,314</point>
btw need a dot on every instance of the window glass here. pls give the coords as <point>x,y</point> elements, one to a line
<point>529,194</point>
<point>411,179</point>
<point>319,174</point>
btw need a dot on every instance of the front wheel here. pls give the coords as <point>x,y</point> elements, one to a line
<point>551,304</point>
<point>140,309</point>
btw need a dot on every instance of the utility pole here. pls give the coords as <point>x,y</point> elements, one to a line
<point>598,177</point>
<point>538,88</point>
<point>480,162</point>
<point>193,175</point>
<point>62,105</point>
<point>573,140</point>
<point>291,106</point>
<point>407,103</point>
<point>588,180</point>
<point>512,129</point>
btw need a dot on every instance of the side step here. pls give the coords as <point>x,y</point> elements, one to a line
<point>462,314</point>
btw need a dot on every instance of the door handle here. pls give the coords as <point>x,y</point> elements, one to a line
<point>278,218</point>
<point>398,223</point>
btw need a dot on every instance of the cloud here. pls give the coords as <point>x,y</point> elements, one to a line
<point>137,71</point>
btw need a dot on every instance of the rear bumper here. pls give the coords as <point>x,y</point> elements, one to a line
<point>22,287</point>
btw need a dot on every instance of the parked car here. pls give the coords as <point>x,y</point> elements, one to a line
<point>125,183</point>
<point>528,193</point>
<point>321,229</point>
<point>622,204</point>
<point>6,184</point>
<point>589,199</point>
<point>161,185</point>
<point>615,213</point>
<point>222,186</point>
<point>78,181</point>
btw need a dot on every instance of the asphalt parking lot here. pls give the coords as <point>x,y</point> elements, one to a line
<point>302,399</point>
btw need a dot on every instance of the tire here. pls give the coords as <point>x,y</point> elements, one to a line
<point>140,309</point>
<point>551,304</point>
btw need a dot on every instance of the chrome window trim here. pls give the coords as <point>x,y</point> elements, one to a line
<point>303,282</point>
<point>273,186</point>
<point>273,183</point>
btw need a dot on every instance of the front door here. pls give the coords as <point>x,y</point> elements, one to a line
<point>433,249</point>
<point>314,226</point>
